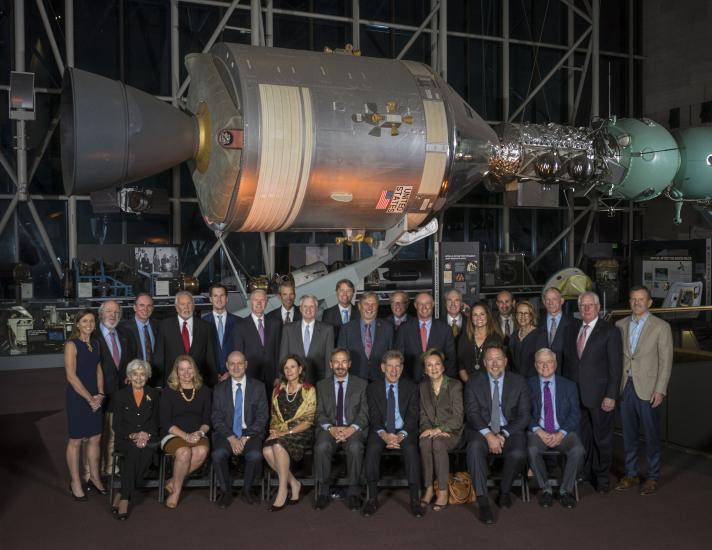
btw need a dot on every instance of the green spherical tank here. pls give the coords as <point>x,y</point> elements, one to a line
<point>694,179</point>
<point>648,155</point>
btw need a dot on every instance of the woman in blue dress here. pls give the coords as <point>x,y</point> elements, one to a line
<point>85,395</point>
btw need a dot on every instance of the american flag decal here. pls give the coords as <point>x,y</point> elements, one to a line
<point>384,200</point>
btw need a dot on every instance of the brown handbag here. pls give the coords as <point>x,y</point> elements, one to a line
<point>459,488</point>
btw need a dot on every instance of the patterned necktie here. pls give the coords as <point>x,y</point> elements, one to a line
<point>391,411</point>
<point>552,330</point>
<point>147,348</point>
<point>115,355</point>
<point>261,330</point>
<point>496,421</point>
<point>307,340</point>
<point>344,316</point>
<point>288,317</point>
<point>368,340</point>
<point>186,337</point>
<point>423,336</point>
<point>340,404</point>
<point>507,327</point>
<point>237,418</point>
<point>548,410</point>
<point>581,342</point>
<point>221,330</point>
<point>455,328</point>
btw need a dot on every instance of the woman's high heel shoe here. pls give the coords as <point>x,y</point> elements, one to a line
<point>82,498</point>
<point>91,488</point>
<point>295,500</point>
<point>274,508</point>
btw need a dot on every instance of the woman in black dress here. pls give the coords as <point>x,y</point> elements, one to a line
<point>290,427</point>
<point>135,427</point>
<point>185,421</point>
<point>481,332</point>
<point>522,344</point>
<point>84,397</point>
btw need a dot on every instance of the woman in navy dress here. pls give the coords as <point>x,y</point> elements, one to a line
<point>85,395</point>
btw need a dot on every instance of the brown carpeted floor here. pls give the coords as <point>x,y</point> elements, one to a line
<point>36,510</point>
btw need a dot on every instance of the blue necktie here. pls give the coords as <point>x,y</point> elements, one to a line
<point>391,411</point>
<point>221,329</point>
<point>344,316</point>
<point>237,419</point>
<point>307,340</point>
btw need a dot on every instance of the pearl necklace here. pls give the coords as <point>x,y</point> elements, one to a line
<point>294,395</point>
<point>180,389</point>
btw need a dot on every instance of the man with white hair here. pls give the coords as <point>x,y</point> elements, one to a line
<point>116,350</point>
<point>593,358</point>
<point>185,334</point>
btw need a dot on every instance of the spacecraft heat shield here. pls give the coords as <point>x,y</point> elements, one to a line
<point>112,134</point>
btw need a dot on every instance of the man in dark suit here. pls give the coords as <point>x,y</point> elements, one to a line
<point>504,315</point>
<point>116,351</point>
<point>341,419</point>
<point>286,313</point>
<point>593,358</point>
<point>422,333</point>
<point>189,335</point>
<point>239,418</point>
<point>311,340</point>
<point>552,329</point>
<point>393,415</point>
<point>399,302</point>
<point>141,329</point>
<point>224,323</point>
<point>554,422</point>
<point>257,337</point>
<point>343,311</point>
<point>367,339</point>
<point>497,412</point>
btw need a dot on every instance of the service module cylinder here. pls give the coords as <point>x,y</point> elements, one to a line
<point>305,140</point>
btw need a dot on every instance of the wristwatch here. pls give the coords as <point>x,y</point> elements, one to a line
<point>290,431</point>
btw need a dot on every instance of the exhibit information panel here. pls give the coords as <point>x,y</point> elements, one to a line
<point>460,270</point>
<point>661,272</point>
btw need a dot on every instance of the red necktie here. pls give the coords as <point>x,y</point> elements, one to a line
<point>115,355</point>
<point>186,337</point>
<point>423,336</point>
<point>581,342</point>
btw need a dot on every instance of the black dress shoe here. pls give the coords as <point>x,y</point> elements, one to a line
<point>82,498</point>
<point>354,503</point>
<point>322,501</point>
<point>416,509</point>
<point>93,489</point>
<point>546,500</point>
<point>567,500</point>
<point>486,515</point>
<point>603,489</point>
<point>299,496</point>
<point>504,500</point>
<point>370,508</point>
<point>225,501</point>
<point>274,508</point>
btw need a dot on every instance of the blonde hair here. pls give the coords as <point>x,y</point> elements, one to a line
<point>530,307</point>
<point>173,382</point>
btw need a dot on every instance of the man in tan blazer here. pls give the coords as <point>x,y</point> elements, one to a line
<point>647,364</point>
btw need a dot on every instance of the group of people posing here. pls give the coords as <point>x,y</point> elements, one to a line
<point>270,386</point>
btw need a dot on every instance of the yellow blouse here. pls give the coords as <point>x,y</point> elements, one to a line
<point>305,413</point>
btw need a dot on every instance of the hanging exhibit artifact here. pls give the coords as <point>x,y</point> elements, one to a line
<point>279,139</point>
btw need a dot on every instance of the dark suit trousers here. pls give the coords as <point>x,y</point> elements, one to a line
<point>252,453</point>
<point>570,446</point>
<point>597,438</point>
<point>435,458</point>
<point>636,411</point>
<point>324,450</point>
<point>134,466</point>
<point>409,450</point>
<point>514,454</point>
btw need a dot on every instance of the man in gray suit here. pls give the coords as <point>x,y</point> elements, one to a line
<point>647,364</point>
<point>310,339</point>
<point>341,419</point>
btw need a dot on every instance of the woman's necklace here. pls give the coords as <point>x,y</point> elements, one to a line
<point>294,395</point>
<point>180,389</point>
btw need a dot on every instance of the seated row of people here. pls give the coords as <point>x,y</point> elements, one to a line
<point>425,422</point>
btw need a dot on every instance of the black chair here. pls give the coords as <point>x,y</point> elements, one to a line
<point>559,457</point>
<point>237,481</point>
<point>115,478</point>
<point>193,480</point>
